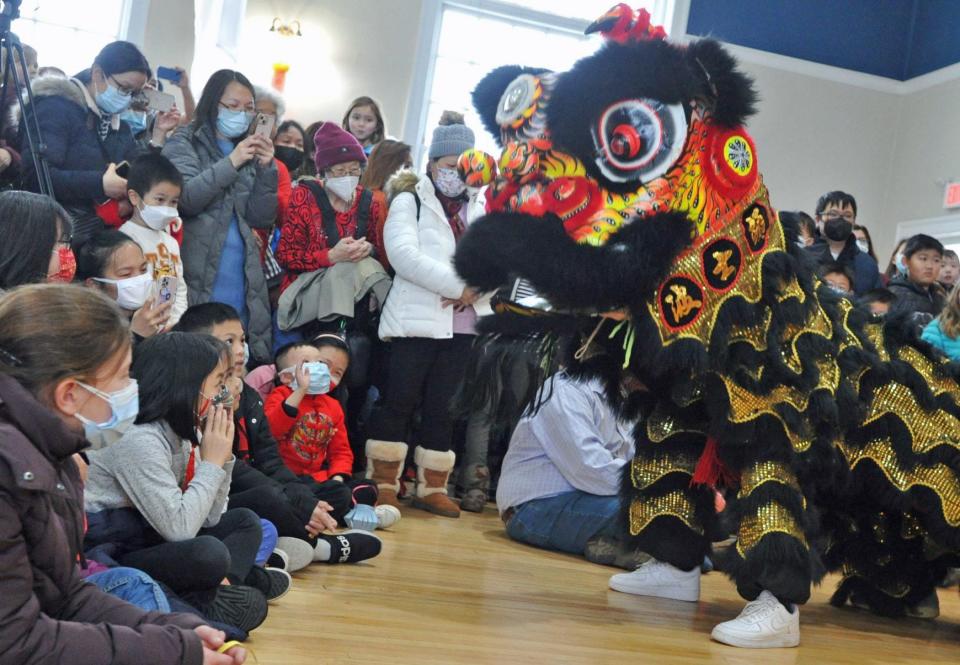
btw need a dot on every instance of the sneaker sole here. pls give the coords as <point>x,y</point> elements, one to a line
<point>299,553</point>
<point>243,607</point>
<point>669,593</point>
<point>286,590</point>
<point>781,642</point>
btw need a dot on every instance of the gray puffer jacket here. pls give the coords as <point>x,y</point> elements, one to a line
<point>213,190</point>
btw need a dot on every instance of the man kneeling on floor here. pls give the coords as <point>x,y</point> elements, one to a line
<point>560,477</point>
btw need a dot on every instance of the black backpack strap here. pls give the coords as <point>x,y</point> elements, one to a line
<point>327,213</point>
<point>416,199</point>
<point>363,212</point>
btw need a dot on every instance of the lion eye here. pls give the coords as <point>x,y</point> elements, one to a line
<point>639,139</point>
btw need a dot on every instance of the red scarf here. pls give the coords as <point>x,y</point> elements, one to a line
<point>452,208</point>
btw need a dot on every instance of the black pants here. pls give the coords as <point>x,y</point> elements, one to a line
<point>426,373</point>
<point>226,550</point>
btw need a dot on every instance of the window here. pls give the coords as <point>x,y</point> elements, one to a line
<point>478,36</point>
<point>68,33</point>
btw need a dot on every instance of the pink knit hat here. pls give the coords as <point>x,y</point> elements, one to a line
<point>335,145</point>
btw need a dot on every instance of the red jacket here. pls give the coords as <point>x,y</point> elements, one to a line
<point>314,442</point>
<point>304,246</point>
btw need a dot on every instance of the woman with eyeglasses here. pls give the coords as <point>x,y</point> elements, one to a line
<point>85,139</point>
<point>34,241</point>
<point>229,189</point>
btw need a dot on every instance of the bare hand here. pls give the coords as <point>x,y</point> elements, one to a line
<point>184,82</point>
<point>149,320</point>
<point>302,374</point>
<point>235,386</point>
<point>321,520</point>
<point>212,641</point>
<point>166,122</point>
<point>216,446</point>
<point>82,467</point>
<point>114,186</point>
<point>264,149</point>
<point>244,152</point>
<point>469,296</point>
<point>361,249</point>
<point>343,250</point>
<point>5,159</point>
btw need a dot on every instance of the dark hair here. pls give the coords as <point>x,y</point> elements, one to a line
<point>331,340</point>
<point>384,161</point>
<point>837,198</point>
<point>119,57</point>
<point>29,228</point>
<point>892,270</point>
<point>203,317</point>
<point>309,167</point>
<point>950,254</point>
<point>866,232</point>
<point>171,369</point>
<point>95,254</point>
<point>49,332</point>
<point>209,105</point>
<point>920,242</point>
<point>800,221</point>
<point>292,124</point>
<point>834,268</point>
<point>151,169</point>
<point>877,295</point>
<point>381,129</point>
<point>287,348</point>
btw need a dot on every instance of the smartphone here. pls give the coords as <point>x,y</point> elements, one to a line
<point>168,74</point>
<point>165,289</point>
<point>123,169</point>
<point>263,125</point>
<point>158,101</point>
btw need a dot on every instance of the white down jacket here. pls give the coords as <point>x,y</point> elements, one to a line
<point>421,252</point>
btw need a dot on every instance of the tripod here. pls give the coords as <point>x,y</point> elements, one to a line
<point>12,48</point>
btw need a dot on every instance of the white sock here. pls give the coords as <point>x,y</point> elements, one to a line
<point>321,551</point>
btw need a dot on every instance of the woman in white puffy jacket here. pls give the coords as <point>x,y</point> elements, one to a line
<point>429,317</point>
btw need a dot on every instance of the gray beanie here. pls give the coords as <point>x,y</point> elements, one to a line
<point>451,136</point>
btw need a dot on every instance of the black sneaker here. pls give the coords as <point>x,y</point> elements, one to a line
<point>233,604</point>
<point>273,583</point>
<point>352,546</point>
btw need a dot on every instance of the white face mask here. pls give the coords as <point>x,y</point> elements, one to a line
<point>132,292</point>
<point>449,183</point>
<point>158,217</point>
<point>864,246</point>
<point>344,186</point>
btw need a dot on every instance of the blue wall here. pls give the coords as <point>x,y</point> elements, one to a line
<point>898,39</point>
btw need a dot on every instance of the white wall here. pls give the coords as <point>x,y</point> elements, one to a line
<point>348,49</point>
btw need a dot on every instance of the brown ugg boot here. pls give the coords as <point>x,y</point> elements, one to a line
<point>384,465</point>
<point>433,470</point>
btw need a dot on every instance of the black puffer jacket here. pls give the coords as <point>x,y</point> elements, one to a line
<point>48,614</point>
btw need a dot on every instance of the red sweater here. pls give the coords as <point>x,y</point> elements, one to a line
<point>304,246</point>
<point>314,442</point>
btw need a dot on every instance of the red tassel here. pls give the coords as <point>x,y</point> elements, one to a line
<point>711,471</point>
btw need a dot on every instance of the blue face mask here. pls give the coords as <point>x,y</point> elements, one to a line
<point>246,354</point>
<point>124,407</point>
<point>112,101</point>
<point>319,377</point>
<point>136,119</point>
<point>233,123</point>
<point>362,517</point>
<point>902,265</point>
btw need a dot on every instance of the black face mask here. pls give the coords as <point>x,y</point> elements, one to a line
<point>291,157</point>
<point>837,229</point>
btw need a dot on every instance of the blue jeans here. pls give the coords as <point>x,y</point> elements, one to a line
<point>564,522</point>
<point>133,586</point>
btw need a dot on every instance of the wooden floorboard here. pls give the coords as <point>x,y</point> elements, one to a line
<point>446,592</point>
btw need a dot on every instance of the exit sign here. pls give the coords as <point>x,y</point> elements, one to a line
<point>951,197</point>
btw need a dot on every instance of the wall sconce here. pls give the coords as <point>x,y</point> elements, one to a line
<point>291,29</point>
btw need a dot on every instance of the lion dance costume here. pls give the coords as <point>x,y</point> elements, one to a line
<point>629,184</point>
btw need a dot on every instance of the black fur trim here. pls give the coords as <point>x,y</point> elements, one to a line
<point>735,98</point>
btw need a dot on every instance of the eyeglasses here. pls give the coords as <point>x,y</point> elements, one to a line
<point>124,89</point>
<point>236,106</point>
<point>340,173</point>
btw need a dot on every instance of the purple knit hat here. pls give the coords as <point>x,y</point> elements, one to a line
<point>335,145</point>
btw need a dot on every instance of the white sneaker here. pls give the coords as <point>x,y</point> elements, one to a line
<point>661,580</point>
<point>299,553</point>
<point>763,624</point>
<point>387,516</point>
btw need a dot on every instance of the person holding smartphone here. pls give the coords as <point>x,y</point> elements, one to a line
<point>229,190</point>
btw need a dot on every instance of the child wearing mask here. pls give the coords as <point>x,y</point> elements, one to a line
<point>917,290</point>
<point>430,319</point>
<point>114,264</point>
<point>364,120</point>
<point>154,185</point>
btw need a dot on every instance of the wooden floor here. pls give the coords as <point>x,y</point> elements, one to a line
<point>448,591</point>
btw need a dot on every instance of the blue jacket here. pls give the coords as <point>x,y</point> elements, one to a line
<point>934,334</point>
<point>75,154</point>
<point>866,274</point>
